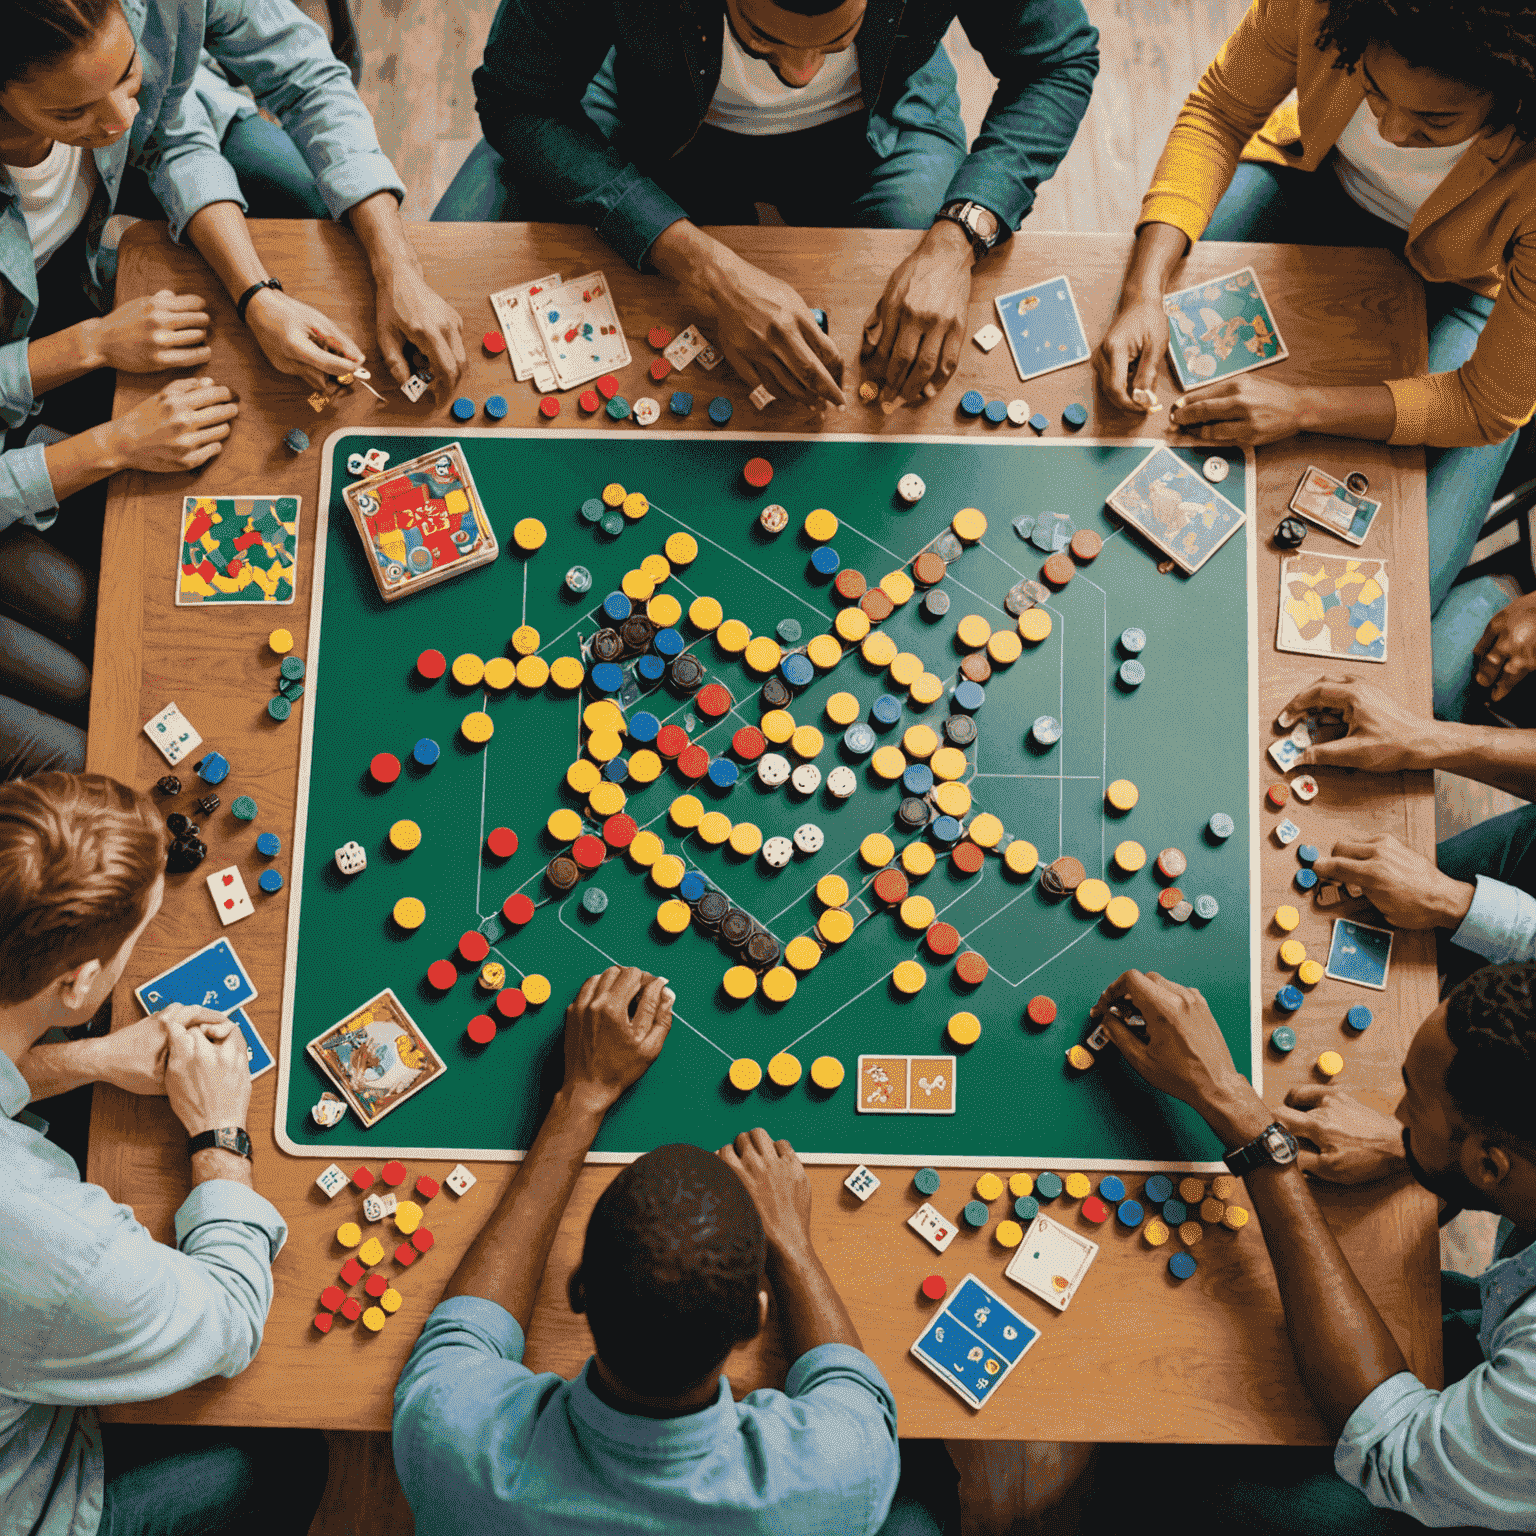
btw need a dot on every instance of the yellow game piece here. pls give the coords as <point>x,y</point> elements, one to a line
<point>969,524</point>
<point>1021,857</point>
<point>604,746</point>
<point>807,741</point>
<point>777,726</point>
<point>916,911</point>
<point>532,672</point>
<point>965,1029</point>
<point>705,613</point>
<point>687,811</point>
<point>877,850</point>
<point>1004,647</point>
<point>646,848</point>
<point>1021,1184</point>
<point>1092,896</point>
<point>973,632</point>
<point>613,495</point>
<point>1234,1217</point>
<point>373,1319</point>
<point>637,586</point>
<point>404,835</point>
<point>603,715</point>
<point>1330,1063</point>
<point>802,952</point>
<point>762,654</point>
<point>920,742</point>
<point>745,1074</point>
<point>732,637</point>
<point>851,624</point>
<point>536,989</point>
<point>525,639</point>
<point>468,669</point>
<point>583,776</point>
<point>1122,794</point>
<point>1155,1232</point>
<point>985,830</point>
<point>888,762</point>
<point>500,673</point>
<point>567,672</point>
<point>779,986</point>
<point>1034,625</point>
<point>681,548</point>
<point>988,1185</point>
<point>952,798</point>
<point>820,525</point>
<point>636,505</point>
<point>645,766</point>
<point>746,838</point>
<point>371,1253</point>
<point>657,567</point>
<point>529,534</point>
<point>1309,973</point>
<point>1078,1186</point>
<point>1287,918</point>
<point>407,1218</point>
<point>668,871</point>
<point>477,727</point>
<point>918,858</point>
<point>823,651</point>
<point>783,1069</point>
<point>835,925</point>
<point>664,610</point>
<point>909,977</point>
<point>906,669</point>
<point>1292,952</point>
<point>1130,856</point>
<point>926,689</point>
<point>740,982</point>
<point>827,1073</point>
<point>1080,1057</point>
<point>832,891</point>
<point>897,586</point>
<point>879,650</point>
<point>843,709</point>
<point>349,1234</point>
<point>1122,913</point>
<point>948,763</point>
<point>606,800</point>
<point>281,641</point>
<point>391,1300</point>
<point>409,913</point>
<point>1008,1234</point>
<point>869,391</point>
<point>714,828</point>
<point>673,916</point>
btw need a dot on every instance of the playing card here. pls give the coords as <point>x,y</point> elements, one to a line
<point>1177,508</point>
<point>580,329</point>
<point>1285,752</point>
<point>1359,954</point>
<point>257,1056</point>
<point>974,1341</point>
<point>684,347</point>
<point>882,1085</point>
<point>230,897</point>
<point>1221,328</point>
<point>933,1228</point>
<point>1051,1261</point>
<point>525,345</point>
<point>1043,327</point>
<point>376,1057</point>
<point>1332,505</point>
<point>172,734</point>
<point>1333,605</point>
<point>213,978</point>
<point>238,549</point>
<point>932,1085</point>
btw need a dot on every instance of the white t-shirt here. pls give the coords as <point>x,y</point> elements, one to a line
<point>55,195</point>
<point>1385,179</point>
<point>750,98</point>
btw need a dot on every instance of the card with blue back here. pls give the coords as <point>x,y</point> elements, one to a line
<point>974,1341</point>
<point>1359,954</point>
<point>1043,327</point>
<point>213,978</point>
<point>256,1053</point>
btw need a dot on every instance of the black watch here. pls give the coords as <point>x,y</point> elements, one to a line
<point>1274,1144</point>
<point>244,301</point>
<point>968,216</point>
<point>231,1138</point>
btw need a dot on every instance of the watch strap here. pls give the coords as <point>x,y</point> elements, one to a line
<point>1256,1153</point>
<point>954,213</point>
<point>244,301</point>
<point>228,1138</point>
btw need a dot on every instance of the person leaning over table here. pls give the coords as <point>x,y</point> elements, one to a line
<point>680,1253</point>
<point>1405,1453</point>
<point>647,118</point>
<point>92,1309</point>
<point>1412,129</point>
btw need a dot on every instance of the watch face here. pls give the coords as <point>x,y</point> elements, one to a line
<point>1281,1148</point>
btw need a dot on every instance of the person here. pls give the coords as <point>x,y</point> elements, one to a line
<point>1461,1456</point>
<point>92,1309</point>
<point>838,112</point>
<point>1410,130</point>
<point>679,1255</point>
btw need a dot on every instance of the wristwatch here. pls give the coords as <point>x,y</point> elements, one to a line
<point>244,301</point>
<point>975,221</point>
<point>1274,1144</point>
<point>231,1138</point>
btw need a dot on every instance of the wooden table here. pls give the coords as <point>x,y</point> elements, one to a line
<point>1138,1358</point>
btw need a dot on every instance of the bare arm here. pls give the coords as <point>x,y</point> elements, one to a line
<point>1132,350</point>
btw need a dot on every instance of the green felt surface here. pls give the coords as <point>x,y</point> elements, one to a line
<point>1182,737</point>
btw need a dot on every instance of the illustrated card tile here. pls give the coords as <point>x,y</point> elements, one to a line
<point>1332,505</point>
<point>974,1341</point>
<point>238,549</point>
<point>1043,327</point>
<point>377,1057</point>
<point>1359,953</point>
<point>882,1085</point>
<point>1051,1261</point>
<point>933,1085</point>
<point>1177,508</point>
<point>1333,605</point>
<point>1221,328</point>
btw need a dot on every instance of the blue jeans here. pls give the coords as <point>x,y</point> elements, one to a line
<point>1288,207</point>
<point>274,177</point>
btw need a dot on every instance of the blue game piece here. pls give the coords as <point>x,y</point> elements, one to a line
<point>297,441</point>
<point>946,829</point>
<point>719,410</point>
<point>857,739</point>
<point>618,408</point>
<point>651,669</point>
<point>824,560</point>
<point>789,631</point>
<point>693,886</point>
<point>1307,854</point>
<point>973,403</point>
<point>463,408</point>
<point>681,402</point>
<point>668,643</point>
<point>426,752</point>
<point>968,697</point>
<point>1130,1213</point>
<point>1283,1038</point>
<point>292,669</point>
<point>996,411</point>
<point>1358,1017</point>
<point>616,770</point>
<point>1048,1186</point>
<point>926,1181</point>
<point>643,726</point>
<point>796,670</point>
<point>1221,826</point>
<point>976,1214</point>
<point>1289,998</point>
<point>271,882</point>
<point>617,607</point>
<point>269,845</point>
<point>1306,879</point>
<point>595,900</point>
<point>496,407</point>
<point>1175,1212</point>
<point>917,779</point>
<point>1158,1188</point>
<point>1182,1265</point>
<point>1074,416</point>
<point>1026,1207</point>
<point>1039,421</point>
<point>593,509</point>
<point>1112,1188</point>
<point>213,769</point>
<point>723,772</point>
<point>886,709</point>
<point>606,677</point>
<point>1132,673</point>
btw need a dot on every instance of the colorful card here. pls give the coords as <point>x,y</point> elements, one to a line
<point>932,1226</point>
<point>1333,605</point>
<point>974,1340</point>
<point>1043,327</point>
<point>214,977</point>
<point>421,522</point>
<point>1332,505</point>
<point>882,1085</point>
<point>1177,508</point>
<point>580,329</point>
<point>238,549</point>
<point>1360,954</point>
<point>931,1085</point>
<point>1051,1261</point>
<point>906,1085</point>
<point>1219,329</point>
<point>230,898</point>
<point>258,1057</point>
<point>525,345</point>
<point>172,734</point>
<point>376,1057</point>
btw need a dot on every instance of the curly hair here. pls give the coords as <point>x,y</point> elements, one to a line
<point>1491,1020</point>
<point>671,1267</point>
<point>1487,44</point>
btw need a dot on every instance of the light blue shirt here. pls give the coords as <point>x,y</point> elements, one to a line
<point>1466,1455</point>
<point>93,1310</point>
<point>483,1445</point>
<point>1500,925</point>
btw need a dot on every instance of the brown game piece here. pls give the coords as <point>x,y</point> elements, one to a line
<point>850,585</point>
<point>928,568</point>
<point>1329,895</point>
<point>1050,882</point>
<point>1086,544</point>
<point>876,605</point>
<point>1058,569</point>
<point>562,873</point>
<point>1069,872</point>
<point>976,667</point>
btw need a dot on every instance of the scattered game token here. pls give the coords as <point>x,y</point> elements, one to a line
<point>1169,897</point>
<point>1132,673</point>
<point>1182,1265</point>
<point>1291,532</point>
<point>647,411</point>
<point>935,1288</point>
<point>809,837</point>
<point>1287,919</point>
<point>1330,1063</point>
<point>549,407</point>
<point>1039,422</point>
<point>1306,879</point>
<point>384,768</point>
<point>757,472</point>
<point>1292,952</point>
<point>1018,412</point>
<point>1206,908</point>
<point>442,974</point>
<point>1278,794</point>
<point>868,391</point>
<point>1215,469</point>
<point>1158,1188</point>
<point>1221,826</point>
<point>911,489</point>
<point>971,968</point>
<point>1122,794</point>
<point>1288,999</point>
<point>1129,857</point>
<point>976,1214</point>
<point>996,411</point>
<point>909,977</point>
<point>681,403</point>
<point>972,402</point>
<point>1307,854</point>
<point>1309,972</point>
<point>594,901</point>
<point>1358,1018</point>
<point>745,1074</point>
<point>1046,731</point>
<point>1304,787</point>
<point>720,410</point>
<point>827,1073</point>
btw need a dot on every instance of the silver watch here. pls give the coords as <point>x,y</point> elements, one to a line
<point>1274,1144</point>
<point>970,217</point>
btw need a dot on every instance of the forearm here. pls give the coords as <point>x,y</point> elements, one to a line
<point>83,459</point>
<point>380,231</point>
<point>64,356</point>
<point>1364,411</point>
<point>505,1263</point>
<point>53,1069</point>
<point>216,1163</point>
<point>223,239</point>
<point>691,258</point>
<point>810,1307</point>
<point>1488,753</point>
<point>1158,250</point>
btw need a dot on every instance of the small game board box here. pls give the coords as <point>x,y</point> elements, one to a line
<point>421,522</point>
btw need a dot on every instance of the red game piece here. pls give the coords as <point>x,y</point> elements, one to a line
<point>385,768</point>
<point>967,858</point>
<point>589,400</point>
<point>757,473</point>
<point>619,831</point>
<point>928,569</point>
<point>607,386</point>
<point>1058,569</point>
<point>659,337</point>
<point>363,1177</point>
<point>422,1240</point>
<point>549,406</point>
<point>850,585</point>
<point>427,1187</point>
<point>749,743</point>
<point>352,1271</point>
<point>1095,1209</point>
<point>890,886</point>
<point>1169,898</point>
<point>588,851</point>
<point>481,1029</point>
<point>502,842</point>
<point>442,974</point>
<point>474,947</point>
<point>517,909</point>
<point>494,343</point>
<point>713,699</point>
<point>323,1321</point>
<point>375,1284</point>
<point>393,1173</point>
<point>332,1297</point>
<point>972,968</point>
<point>351,1309</point>
<point>510,1003</point>
<point>942,939</point>
<point>660,368</point>
<point>1278,794</point>
<point>405,1254</point>
<point>670,740</point>
<point>431,664</point>
<point>935,1288</point>
<point>693,761</point>
<point>1041,1011</point>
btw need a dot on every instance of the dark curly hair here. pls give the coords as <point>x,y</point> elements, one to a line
<point>672,1265</point>
<point>42,32</point>
<point>1487,44</point>
<point>1491,1020</point>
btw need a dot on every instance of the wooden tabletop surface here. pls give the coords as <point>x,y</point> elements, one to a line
<point>1137,1357</point>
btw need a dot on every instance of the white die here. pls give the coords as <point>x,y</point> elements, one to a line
<point>461,1180</point>
<point>332,1181</point>
<point>861,1182</point>
<point>987,337</point>
<point>414,388</point>
<point>351,859</point>
<point>777,852</point>
<point>375,459</point>
<point>911,488</point>
<point>377,1207</point>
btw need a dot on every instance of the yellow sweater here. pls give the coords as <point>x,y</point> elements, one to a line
<point>1478,227</point>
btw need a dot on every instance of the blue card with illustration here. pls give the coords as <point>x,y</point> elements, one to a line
<point>1177,508</point>
<point>1359,954</point>
<point>1221,328</point>
<point>1043,327</point>
<point>974,1341</point>
<point>256,1052</point>
<point>213,978</point>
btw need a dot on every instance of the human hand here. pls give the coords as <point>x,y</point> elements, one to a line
<point>769,336</point>
<point>410,310</point>
<point>162,330</point>
<point>207,1072</point>
<point>1507,650</point>
<point>1355,1145</point>
<point>298,339</point>
<point>913,337</point>
<point>780,1188</point>
<point>1136,339</point>
<point>1405,887</point>
<point>1244,410</point>
<point>179,427</point>
<point>613,1031</point>
<point>1383,736</point>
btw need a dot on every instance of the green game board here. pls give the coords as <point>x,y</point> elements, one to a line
<point>1184,737</point>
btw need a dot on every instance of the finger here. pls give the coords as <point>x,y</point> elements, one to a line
<point>873,328</point>
<point>1310,1162</point>
<point>1147,367</point>
<point>211,415</point>
<point>1335,693</point>
<point>178,1047</point>
<point>949,360</point>
<point>784,384</point>
<point>205,393</point>
<point>1113,365</point>
<point>1193,413</point>
<point>823,347</point>
<point>200,456</point>
<point>184,320</point>
<point>905,347</point>
<point>1309,1095</point>
<point>439,355</point>
<point>879,352</point>
<point>648,1004</point>
<point>1112,993</point>
<point>783,1148</point>
<point>183,357</point>
<point>334,339</point>
<point>923,364</point>
<point>1341,750</point>
<point>393,355</point>
<point>206,435</point>
<point>806,364</point>
<point>762,1142</point>
<point>304,351</point>
<point>1130,1044</point>
<point>1514,670</point>
<point>1336,871</point>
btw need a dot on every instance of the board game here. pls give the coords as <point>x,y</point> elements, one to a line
<point>1074,753</point>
